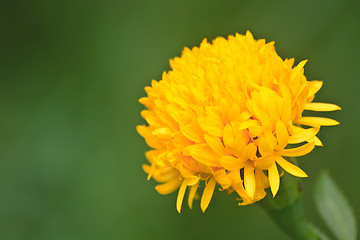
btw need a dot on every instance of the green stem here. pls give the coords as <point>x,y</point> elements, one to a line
<point>287,211</point>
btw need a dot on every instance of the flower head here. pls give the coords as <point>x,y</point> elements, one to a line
<point>228,113</point>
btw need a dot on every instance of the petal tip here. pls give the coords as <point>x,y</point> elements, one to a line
<point>203,208</point>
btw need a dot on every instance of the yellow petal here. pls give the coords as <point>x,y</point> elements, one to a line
<point>164,177</point>
<point>180,141</point>
<point>235,112</point>
<point>191,133</point>
<point>150,155</point>
<point>314,87</point>
<point>191,181</point>
<point>248,123</point>
<point>321,107</point>
<point>265,147</point>
<point>259,113</point>
<point>249,180</point>
<point>228,136</point>
<point>203,155</point>
<point>299,151</point>
<point>207,194</point>
<point>150,139</point>
<point>180,196</point>
<point>145,101</point>
<point>303,135</point>
<point>290,168</point>
<point>212,128</point>
<point>302,64</point>
<point>153,166</point>
<point>169,186</point>
<point>274,179</point>
<point>232,163</point>
<point>185,171</point>
<point>192,193</point>
<point>215,144</point>
<point>286,108</point>
<point>256,131</point>
<point>237,185</point>
<point>282,134</point>
<point>245,116</point>
<point>317,121</point>
<point>250,151</point>
<point>249,35</point>
<point>163,133</point>
<point>264,163</point>
<point>316,140</point>
<point>146,168</point>
<point>262,182</point>
<point>222,178</point>
<point>239,144</point>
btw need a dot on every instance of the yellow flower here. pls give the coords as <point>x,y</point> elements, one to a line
<point>227,114</point>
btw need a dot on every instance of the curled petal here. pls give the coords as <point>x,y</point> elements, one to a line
<point>250,151</point>
<point>223,179</point>
<point>192,193</point>
<point>316,140</point>
<point>232,163</point>
<point>303,135</point>
<point>168,187</point>
<point>191,181</point>
<point>161,175</point>
<point>207,194</point>
<point>299,151</point>
<point>314,87</point>
<point>265,163</point>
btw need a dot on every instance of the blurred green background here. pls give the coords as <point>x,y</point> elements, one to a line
<point>71,73</point>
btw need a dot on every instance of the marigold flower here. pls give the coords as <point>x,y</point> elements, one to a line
<point>227,114</point>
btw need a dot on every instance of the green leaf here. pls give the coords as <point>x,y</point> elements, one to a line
<point>334,208</point>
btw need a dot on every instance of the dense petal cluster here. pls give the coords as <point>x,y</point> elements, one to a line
<point>227,114</point>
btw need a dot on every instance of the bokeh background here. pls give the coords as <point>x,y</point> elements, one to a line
<point>71,73</point>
